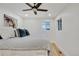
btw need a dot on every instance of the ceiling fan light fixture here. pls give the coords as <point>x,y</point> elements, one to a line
<point>49,14</point>
<point>34,9</point>
<point>26,14</point>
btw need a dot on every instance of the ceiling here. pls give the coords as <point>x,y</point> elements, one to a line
<point>53,9</point>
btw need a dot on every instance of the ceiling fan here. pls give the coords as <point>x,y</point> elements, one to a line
<point>35,8</point>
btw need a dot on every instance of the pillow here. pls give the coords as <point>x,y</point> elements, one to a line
<point>22,32</point>
<point>27,32</point>
<point>1,37</point>
<point>16,33</point>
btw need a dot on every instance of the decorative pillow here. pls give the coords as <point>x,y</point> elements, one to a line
<point>27,32</point>
<point>16,33</point>
<point>1,37</point>
<point>22,32</point>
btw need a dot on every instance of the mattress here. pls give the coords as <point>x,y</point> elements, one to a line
<point>24,43</point>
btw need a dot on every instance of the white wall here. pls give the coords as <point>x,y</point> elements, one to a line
<point>68,38</point>
<point>34,25</point>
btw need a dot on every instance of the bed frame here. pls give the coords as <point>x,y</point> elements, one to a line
<point>24,52</point>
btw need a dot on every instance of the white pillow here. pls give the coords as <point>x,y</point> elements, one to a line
<point>7,32</point>
<point>16,33</point>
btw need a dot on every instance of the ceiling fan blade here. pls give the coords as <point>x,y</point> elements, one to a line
<point>38,5</point>
<point>34,4</point>
<point>35,12</point>
<point>42,10</point>
<point>27,9</point>
<point>29,5</point>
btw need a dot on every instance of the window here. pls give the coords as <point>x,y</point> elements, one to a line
<point>46,25</point>
<point>59,24</point>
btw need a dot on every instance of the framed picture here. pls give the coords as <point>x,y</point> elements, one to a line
<point>8,21</point>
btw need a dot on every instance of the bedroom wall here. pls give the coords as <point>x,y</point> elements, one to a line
<point>68,38</point>
<point>34,25</point>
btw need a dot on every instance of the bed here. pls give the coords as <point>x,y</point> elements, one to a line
<point>24,46</point>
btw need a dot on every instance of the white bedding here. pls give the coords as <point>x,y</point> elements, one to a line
<point>24,43</point>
